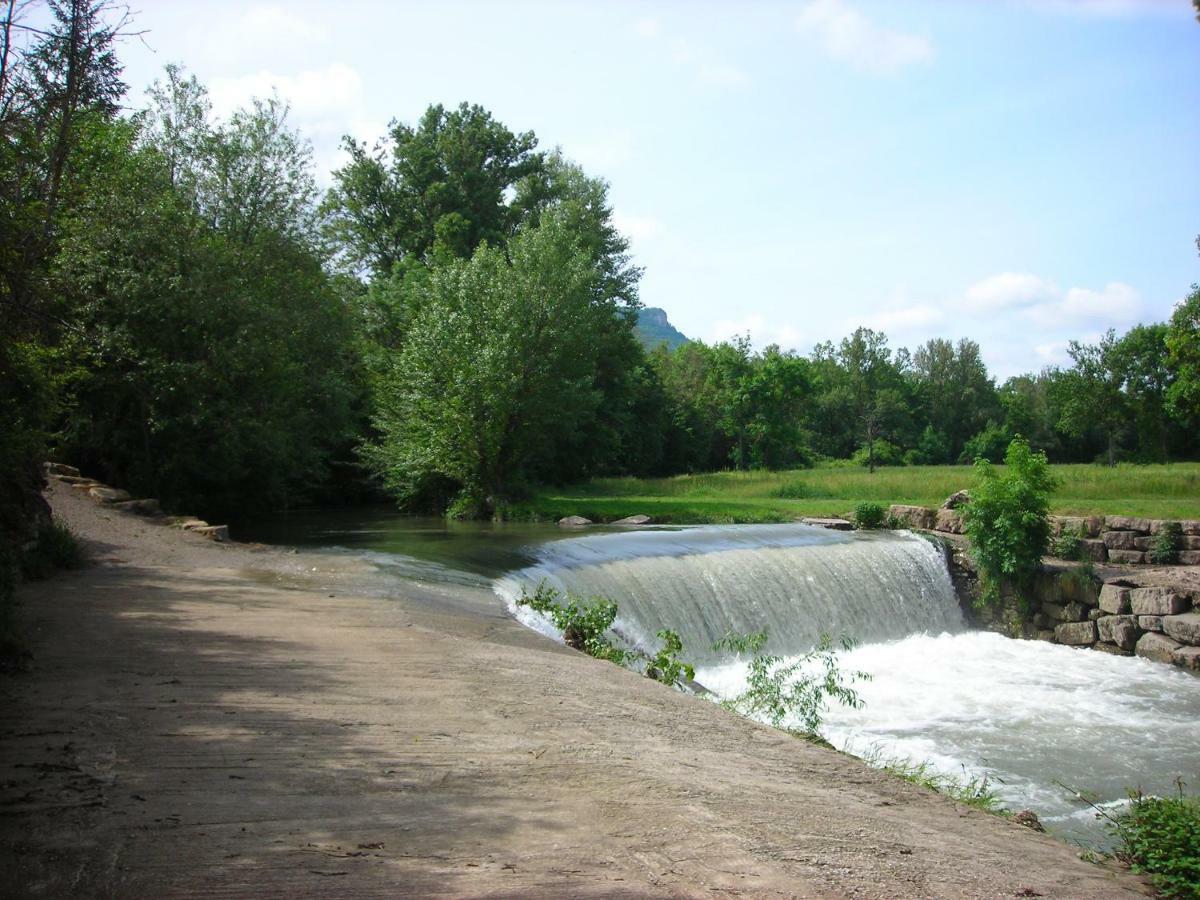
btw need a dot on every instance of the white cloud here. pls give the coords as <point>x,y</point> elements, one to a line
<point>848,35</point>
<point>1053,353</point>
<point>1009,290</point>
<point>646,28</point>
<point>276,24</point>
<point>602,151</point>
<point>760,331</point>
<point>637,227</point>
<point>905,319</point>
<point>1115,304</point>
<point>335,89</point>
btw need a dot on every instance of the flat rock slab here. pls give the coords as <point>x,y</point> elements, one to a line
<point>1157,601</point>
<point>633,520</point>
<point>103,494</point>
<point>835,524</point>
<point>573,522</point>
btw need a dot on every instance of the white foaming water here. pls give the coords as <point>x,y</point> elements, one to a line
<point>795,580</point>
<point>1027,714</point>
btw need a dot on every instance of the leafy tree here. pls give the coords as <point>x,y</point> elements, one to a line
<point>955,393</point>
<point>57,84</point>
<point>213,357</point>
<point>1142,359</point>
<point>498,365</point>
<point>1007,518</point>
<point>870,386</point>
<point>438,186</point>
<point>1183,346</point>
<point>1090,395</point>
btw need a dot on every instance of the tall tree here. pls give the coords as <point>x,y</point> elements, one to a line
<point>1091,394</point>
<point>1183,345</point>
<point>498,366</point>
<point>957,396</point>
<point>215,366</point>
<point>870,387</point>
<point>440,185</point>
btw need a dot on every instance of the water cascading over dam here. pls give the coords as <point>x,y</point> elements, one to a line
<point>796,581</point>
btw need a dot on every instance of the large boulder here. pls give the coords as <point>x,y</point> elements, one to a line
<point>102,494</point>
<point>1114,599</point>
<point>950,521</point>
<point>1184,628</point>
<point>1189,557</point>
<point>1093,549</point>
<point>633,520</point>
<point>1187,526</point>
<point>1127,523</point>
<point>1150,623</point>
<point>146,507</point>
<point>1111,648</point>
<point>1120,540</point>
<point>1187,658</point>
<point>1157,647</point>
<point>1126,557</point>
<point>1156,601</point>
<point>920,517</point>
<point>574,521</point>
<point>54,468</point>
<point>1119,630</point>
<point>1076,634</point>
<point>957,499</point>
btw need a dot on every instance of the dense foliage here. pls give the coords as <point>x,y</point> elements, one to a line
<point>1008,516</point>
<point>1161,837</point>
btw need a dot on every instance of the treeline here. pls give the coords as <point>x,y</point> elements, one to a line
<point>187,314</point>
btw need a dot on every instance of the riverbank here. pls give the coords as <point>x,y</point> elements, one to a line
<point>211,718</point>
<point>1151,491</point>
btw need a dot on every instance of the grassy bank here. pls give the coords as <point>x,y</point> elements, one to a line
<point>1154,491</point>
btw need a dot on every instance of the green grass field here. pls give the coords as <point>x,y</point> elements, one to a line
<point>1154,491</point>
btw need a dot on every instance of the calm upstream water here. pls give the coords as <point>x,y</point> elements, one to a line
<point>1040,721</point>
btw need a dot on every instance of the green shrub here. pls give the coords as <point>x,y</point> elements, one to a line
<point>989,444</point>
<point>583,623</point>
<point>1164,549</point>
<point>1007,519</point>
<point>666,666</point>
<point>1068,544</point>
<point>780,693</point>
<point>56,548</point>
<point>886,454</point>
<point>1161,837</point>
<point>869,515</point>
<point>791,490</point>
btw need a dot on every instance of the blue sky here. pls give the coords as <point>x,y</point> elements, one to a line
<point>1020,173</point>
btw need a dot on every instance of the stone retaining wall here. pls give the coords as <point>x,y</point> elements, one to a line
<point>1073,605</point>
<point>1125,540</point>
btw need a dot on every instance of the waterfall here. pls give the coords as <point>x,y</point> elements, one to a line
<point>797,581</point>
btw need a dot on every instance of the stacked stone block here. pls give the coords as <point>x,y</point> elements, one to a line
<point>1122,540</point>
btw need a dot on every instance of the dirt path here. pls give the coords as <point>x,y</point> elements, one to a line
<point>210,720</point>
